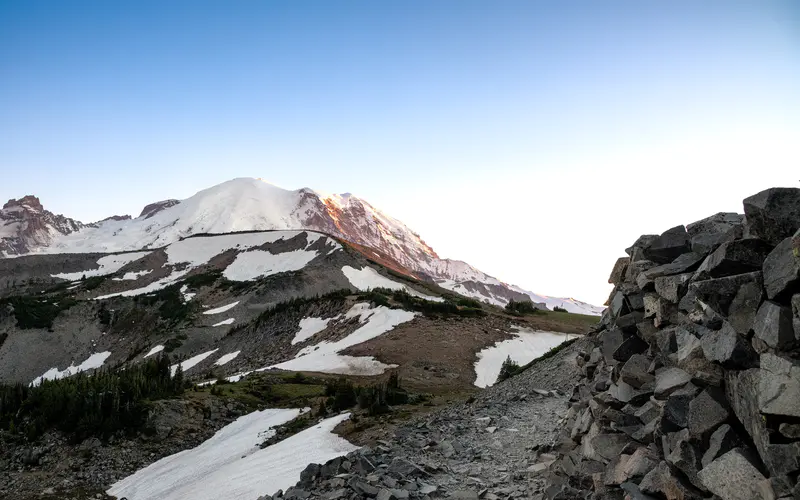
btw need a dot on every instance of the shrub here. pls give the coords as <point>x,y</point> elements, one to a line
<point>36,312</point>
<point>508,370</point>
<point>559,309</point>
<point>521,307</point>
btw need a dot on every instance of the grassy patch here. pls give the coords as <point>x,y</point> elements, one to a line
<point>381,296</point>
<point>572,318</point>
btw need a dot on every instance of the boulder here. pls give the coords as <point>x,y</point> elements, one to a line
<point>669,380</point>
<point>782,271</point>
<point>773,325</point>
<point>662,481</point>
<point>744,306</point>
<point>727,347</point>
<point>635,371</point>
<point>642,242</point>
<point>790,431</point>
<point>672,288</point>
<point>676,410</point>
<point>609,446</point>
<point>796,316</point>
<point>717,293</point>
<point>707,234</point>
<point>779,386</point>
<point>618,305</point>
<point>635,268</point>
<point>684,263</point>
<point>630,345</point>
<point>707,411</point>
<point>686,458</point>
<point>723,440</point>
<point>669,245</point>
<point>735,257</point>
<point>618,272</point>
<point>733,477</point>
<point>773,214</point>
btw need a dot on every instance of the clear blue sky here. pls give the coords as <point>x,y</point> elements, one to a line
<point>516,135</point>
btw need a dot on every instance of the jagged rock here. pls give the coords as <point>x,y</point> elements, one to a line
<point>773,214</point>
<point>652,305</point>
<point>634,371</point>
<point>608,446</point>
<point>630,345</point>
<point>617,305</point>
<point>662,480</point>
<point>735,257</point>
<point>744,306</point>
<point>636,268</point>
<point>618,272</point>
<point>796,316</point>
<point>773,325</point>
<point>782,271</point>
<point>686,458</point>
<point>676,410</point>
<point>642,242</point>
<point>672,288</point>
<point>717,293</point>
<point>707,234</point>
<point>672,243</point>
<point>684,263</point>
<point>626,467</point>
<point>464,495</point>
<point>627,323</point>
<point>723,440</point>
<point>648,411</point>
<point>728,347</point>
<point>708,410</point>
<point>733,477</point>
<point>779,386</point>
<point>668,380</point>
<point>634,493</point>
<point>611,340</point>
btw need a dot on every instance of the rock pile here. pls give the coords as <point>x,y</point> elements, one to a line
<point>693,388</point>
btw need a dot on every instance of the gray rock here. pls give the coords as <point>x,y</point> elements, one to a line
<point>630,345</point>
<point>781,271</point>
<point>611,340</point>
<point>717,293</point>
<point>779,386</point>
<point>662,481</point>
<point>385,494</point>
<point>608,446</point>
<point>634,493</point>
<point>669,245</point>
<point>744,306</point>
<point>733,477</point>
<point>686,458</point>
<point>707,411</point>
<point>618,272</point>
<point>796,316</point>
<point>642,242</point>
<point>668,380</point>
<point>723,440</point>
<point>634,371</point>
<point>735,257</point>
<point>682,264</point>
<point>672,288</point>
<point>773,214</point>
<point>791,431</point>
<point>727,347</point>
<point>773,325</point>
<point>464,495</point>
<point>707,234</point>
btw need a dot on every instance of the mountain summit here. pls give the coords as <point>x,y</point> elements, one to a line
<point>247,204</point>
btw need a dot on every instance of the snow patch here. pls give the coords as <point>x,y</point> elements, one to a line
<point>226,358</point>
<point>132,276</point>
<point>106,265</point>
<point>257,263</point>
<point>187,295</point>
<point>154,350</point>
<point>96,360</point>
<point>152,287</point>
<point>368,278</point>
<point>310,327</point>
<point>324,357</point>
<point>221,309</point>
<point>527,346</point>
<point>189,363</point>
<point>228,321</point>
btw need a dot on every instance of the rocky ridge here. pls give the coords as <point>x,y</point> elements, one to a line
<point>689,388</point>
<point>25,224</point>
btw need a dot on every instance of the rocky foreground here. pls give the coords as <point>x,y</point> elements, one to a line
<point>688,389</point>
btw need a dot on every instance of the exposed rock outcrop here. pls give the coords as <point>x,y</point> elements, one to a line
<point>26,225</point>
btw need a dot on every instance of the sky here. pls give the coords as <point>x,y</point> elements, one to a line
<point>533,139</point>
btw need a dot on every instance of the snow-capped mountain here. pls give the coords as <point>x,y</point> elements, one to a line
<point>247,204</point>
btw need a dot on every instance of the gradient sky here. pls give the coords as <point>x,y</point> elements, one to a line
<point>533,139</point>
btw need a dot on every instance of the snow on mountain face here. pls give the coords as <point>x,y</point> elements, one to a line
<point>26,225</point>
<point>247,204</point>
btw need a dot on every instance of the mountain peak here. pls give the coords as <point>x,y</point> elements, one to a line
<point>28,201</point>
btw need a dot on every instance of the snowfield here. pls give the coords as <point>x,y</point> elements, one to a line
<point>527,346</point>
<point>228,321</point>
<point>324,357</point>
<point>107,265</point>
<point>132,276</point>
<point>230,465</point>
<point>310,327</point>
<point>96,360</point>
<point>189,363</point>
<point>368,278</point>
<point>152,287</point>
<point>257,263</point>
<point>221,309</point>
<point>226,358</point>
<point>154,350</point>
